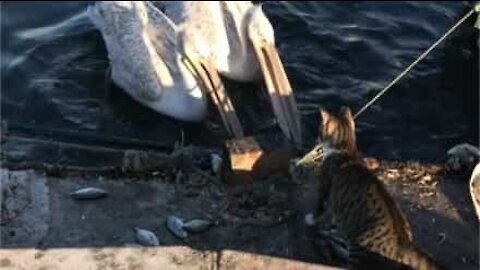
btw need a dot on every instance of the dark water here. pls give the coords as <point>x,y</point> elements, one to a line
<point>336,53</point>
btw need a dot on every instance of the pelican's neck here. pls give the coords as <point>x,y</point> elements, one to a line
<point>235,25</point>
<point>236,18</point>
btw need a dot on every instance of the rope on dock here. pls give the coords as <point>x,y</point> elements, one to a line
<point>420,58</point>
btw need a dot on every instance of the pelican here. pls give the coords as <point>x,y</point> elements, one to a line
<point>146,62</point>
<point>169,61</point>
<point>236,39</point>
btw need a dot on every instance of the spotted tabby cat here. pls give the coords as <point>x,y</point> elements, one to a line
<point>355,200</point>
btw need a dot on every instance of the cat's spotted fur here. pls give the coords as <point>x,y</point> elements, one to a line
<point>356,201</point>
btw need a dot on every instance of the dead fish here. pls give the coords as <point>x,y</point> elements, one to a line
<point>145,237</point>
<point>309,219</point>
<point>175,225</point>
<point>216,163</point>
<point>197,225</point>
<point>89,193</point>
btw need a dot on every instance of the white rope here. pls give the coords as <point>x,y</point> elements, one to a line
<point>412,65</point>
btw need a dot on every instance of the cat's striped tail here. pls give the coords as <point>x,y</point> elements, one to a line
<point>418,259</point>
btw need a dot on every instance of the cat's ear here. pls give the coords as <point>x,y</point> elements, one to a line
<point>325,116</point>
<point>346,113</point>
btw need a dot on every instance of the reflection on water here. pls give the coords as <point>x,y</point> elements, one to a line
<point>336,53</point>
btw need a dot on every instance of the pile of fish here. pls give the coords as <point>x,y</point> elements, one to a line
<point>181,229</point>
<point>176,226</point>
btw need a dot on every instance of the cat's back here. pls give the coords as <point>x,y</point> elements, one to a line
<point>361,201</point>
<point>347,170</point>
<point>368,214</point>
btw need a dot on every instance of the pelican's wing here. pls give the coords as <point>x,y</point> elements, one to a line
<point>163,34</point>
<point>160,5</point>
<point>174,10</point>
<point>135,63</point>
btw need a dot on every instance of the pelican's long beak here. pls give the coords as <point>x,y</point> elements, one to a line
<point>210,81</point>
<point>280,91</point>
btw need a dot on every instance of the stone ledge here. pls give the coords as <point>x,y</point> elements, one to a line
<point>165,258</point>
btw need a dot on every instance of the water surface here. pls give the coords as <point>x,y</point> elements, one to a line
<point>335,53</point>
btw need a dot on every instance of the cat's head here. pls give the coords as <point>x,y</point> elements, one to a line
<point>338,131</point>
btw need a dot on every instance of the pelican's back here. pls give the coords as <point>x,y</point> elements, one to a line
<point>134,64</point>
<point>144,60</point>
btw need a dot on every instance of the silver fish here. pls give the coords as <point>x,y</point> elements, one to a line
<point>175,225</point>
<point>145,237</point>
<point>196,225</point>
<point>216,163</point>
<point>89,193</point>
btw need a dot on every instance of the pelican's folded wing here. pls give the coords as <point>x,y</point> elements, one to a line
<point>163,34</point>
<point>135,64</point>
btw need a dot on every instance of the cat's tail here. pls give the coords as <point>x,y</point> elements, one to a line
<point>419,260</point>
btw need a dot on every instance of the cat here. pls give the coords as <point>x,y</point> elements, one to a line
<point>356,202</point>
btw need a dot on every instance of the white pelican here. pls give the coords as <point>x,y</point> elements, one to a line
<point>145,61</point>
<point>236,39</point>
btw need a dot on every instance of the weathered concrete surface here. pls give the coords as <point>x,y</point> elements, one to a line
<point>260,226</point>
<point>25,205</point>
<point>44,228</point>
<point>165,258</point>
